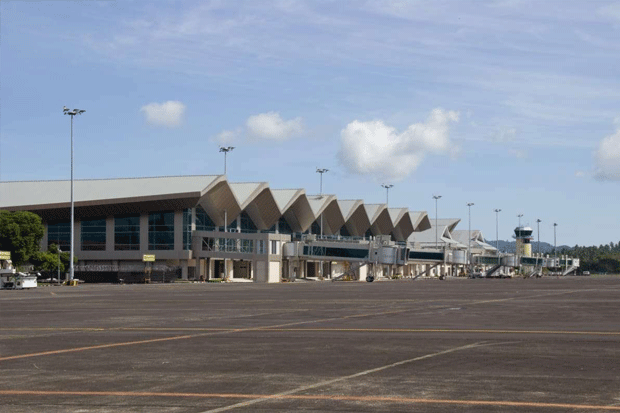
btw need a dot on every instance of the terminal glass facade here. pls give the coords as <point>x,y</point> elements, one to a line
<point>93,233</point>
<point>187,228</point>
<point>245,223</point>
<point>59,233</point>
<point>203,221</point>
<point>127,232</point>
<point>161,230</point>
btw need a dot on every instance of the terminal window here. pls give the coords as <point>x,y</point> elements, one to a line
<point>127,232</point>
<point>59,233</point>
<point>93,233</point>
<point>161,230</point>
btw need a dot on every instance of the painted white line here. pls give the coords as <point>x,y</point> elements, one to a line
<point>343,378</point>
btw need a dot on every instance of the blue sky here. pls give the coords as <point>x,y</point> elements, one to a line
<point>507,104</point>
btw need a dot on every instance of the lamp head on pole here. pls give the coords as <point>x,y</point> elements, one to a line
<point>321,170</point>
<point>497,210</point>
<point>73,112</point>
<point>436,197</point>
<point>470,204</point>
<point>387,186</point>
<point>226,148</point>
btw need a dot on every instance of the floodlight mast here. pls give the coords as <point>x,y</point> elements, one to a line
<point>387,193</point>
<point>469,205</point>
<point>538,221</point>
<point>497,211</point>
<point>555,245</point>
<point>226,149</point>
<point>321,171</point>
<point>436,198</point>
<point>72,113</point>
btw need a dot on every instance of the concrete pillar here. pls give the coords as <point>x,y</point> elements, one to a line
<point>210,268</point>
<point>184,270</point>
<point>228,269</point>
<point>178,230</point>
<point>144,232</point>
<point>109,233</point>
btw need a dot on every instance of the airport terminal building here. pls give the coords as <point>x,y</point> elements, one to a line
<point>204,227</point>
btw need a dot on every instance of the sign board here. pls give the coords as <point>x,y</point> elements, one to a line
<point>5,255</point>
<point>148,258</point>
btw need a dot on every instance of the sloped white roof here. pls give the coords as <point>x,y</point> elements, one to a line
<point>318,203</point>
<point>245,192</point>
<point>348,206</point>
<point>285,197</point>
<point>420,220</point>
<point>477,238</point>
<point>396,214</point>
<point>58,193</point>
<point>373,211</point>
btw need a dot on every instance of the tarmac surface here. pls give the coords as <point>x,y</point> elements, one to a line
<point>516,345</point>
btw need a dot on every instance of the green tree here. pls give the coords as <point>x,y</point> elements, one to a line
<point>50,260</point>
<point>20,233</point>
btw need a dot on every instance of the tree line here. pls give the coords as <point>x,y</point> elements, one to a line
<point>604,258</point>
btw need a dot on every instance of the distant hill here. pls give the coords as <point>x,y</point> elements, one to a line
<point>509,246</point>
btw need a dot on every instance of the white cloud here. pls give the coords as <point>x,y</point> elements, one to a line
<point>374,148</point>
<point>227,137</point>
<point>271,126</point>
<point>503,135</point>
<point>608,158</point>
<point>169,114</point>
<point>264,126</point>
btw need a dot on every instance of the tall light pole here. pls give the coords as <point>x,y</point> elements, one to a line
<point>321,171</point>
<point>497,211</point>
<point>436,198</point>
<point>387,192</point>
<point>226,149</point>
<point>555,246</point>
<point>538,221</point>
<point>72,113</point>
<point>59,251</point>
<point>469,205</point>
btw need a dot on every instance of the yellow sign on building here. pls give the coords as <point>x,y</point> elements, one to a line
<point>5,255</point>
<point>148,258</point>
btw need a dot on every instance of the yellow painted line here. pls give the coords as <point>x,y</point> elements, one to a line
<point>447,330</point>
<point>315,397</point>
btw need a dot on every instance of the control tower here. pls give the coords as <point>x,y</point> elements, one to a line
<point>523,237</point>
